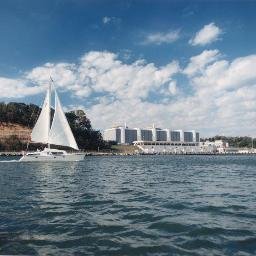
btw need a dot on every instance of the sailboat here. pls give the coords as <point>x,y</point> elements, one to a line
<point>57,133</point>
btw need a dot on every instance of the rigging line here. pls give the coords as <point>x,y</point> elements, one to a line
<point>49,114</point>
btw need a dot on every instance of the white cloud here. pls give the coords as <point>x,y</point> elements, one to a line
<point>105,73</point>
<point>162,37</point>
<point>108,20</point>
<point>173,87</point>
<point>223,100</point>
<point>208,34</point>
<point>226,92</point>
<point>219,96</point>
<point>198,63</point>
<point>63,73</point>
<point>17,88</point>
<point>222,75</point>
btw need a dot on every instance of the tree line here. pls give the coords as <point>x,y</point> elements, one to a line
<point>26,114</point>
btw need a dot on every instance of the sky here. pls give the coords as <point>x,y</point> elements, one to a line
<point>176,64</point>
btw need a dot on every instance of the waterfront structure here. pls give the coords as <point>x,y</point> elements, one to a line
<point>166,141</point>
<point>220,147</point>
<point>125,135</point>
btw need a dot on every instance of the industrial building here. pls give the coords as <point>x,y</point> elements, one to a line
<point>155,140</point>
<point>166,141</point>
<point>125,135</point>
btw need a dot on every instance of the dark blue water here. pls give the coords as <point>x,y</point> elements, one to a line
<point>142,205</point>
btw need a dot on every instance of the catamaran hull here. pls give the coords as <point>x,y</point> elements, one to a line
<point>63,158</point>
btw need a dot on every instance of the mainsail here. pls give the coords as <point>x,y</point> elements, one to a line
<point>60,133</point>
<point>40,132</point>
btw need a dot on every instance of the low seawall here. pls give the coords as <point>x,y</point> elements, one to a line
<point>140,153</point>
<point>11,153</point>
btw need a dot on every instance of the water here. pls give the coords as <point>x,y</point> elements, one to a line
<point>142,205</point>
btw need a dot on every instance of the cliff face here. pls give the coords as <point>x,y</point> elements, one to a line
<point>11,129</point>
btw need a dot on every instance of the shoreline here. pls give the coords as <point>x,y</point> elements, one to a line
<point>13,153</point>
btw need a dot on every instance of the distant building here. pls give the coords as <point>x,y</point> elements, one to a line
<point>125,135</point>
<point>112,134</point>
<point>128,136</point>
<point>146,135</point>
<point>217,146</point>
<point>221,144</point>
<point>175,135</point>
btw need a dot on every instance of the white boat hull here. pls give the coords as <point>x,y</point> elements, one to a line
<point>52,155</point>
<point>66,158</point>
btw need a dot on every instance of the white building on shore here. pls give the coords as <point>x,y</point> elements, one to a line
<point>155,140</point>
<point>166,141</point>
<point>125,135</point>
<point>217,146</point>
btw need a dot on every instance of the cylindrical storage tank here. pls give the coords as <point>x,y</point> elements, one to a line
<point>122,135</point>
<point>138,134</point>
<point>181,135</point>
<point>154,135</point>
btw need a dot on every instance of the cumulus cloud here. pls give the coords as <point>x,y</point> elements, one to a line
<point>64,73</point>
<point>198,63</point>
<point>105,73</point>
<point>17,88</point>
<point>226,93</point>
<point>223,100</point>
<point>210,94</point>
<point>173,87</point>
<point>208,34</point>
<point>100,72</point>
<point>159,38</point>
<point>224,75</point>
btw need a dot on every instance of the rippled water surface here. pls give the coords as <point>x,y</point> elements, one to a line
<point>142,205</point>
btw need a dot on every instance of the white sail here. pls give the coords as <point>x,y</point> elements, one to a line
<point>40,132</point>
<point>60,133</point>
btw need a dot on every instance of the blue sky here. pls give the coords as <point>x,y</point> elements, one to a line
<point>152,41</point>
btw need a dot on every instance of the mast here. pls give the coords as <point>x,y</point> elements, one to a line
<point>50,93</point>
<point>60,132</point>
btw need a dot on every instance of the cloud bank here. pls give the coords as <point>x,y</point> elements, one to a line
<point>215,96</point>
